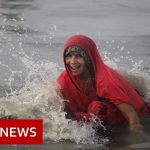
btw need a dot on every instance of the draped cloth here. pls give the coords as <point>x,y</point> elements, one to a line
<point>108,85</point>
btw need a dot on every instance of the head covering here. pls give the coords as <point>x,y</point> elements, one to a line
<point>108,83</point>
<point>74,49</point>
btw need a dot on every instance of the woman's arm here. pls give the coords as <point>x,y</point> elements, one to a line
<point>130,114</point>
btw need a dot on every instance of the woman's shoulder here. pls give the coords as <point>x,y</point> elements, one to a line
<point>63,74</point>
<point>63,77</point>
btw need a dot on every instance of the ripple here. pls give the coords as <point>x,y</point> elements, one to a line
<point>17,4</point>
<point>17,29</point>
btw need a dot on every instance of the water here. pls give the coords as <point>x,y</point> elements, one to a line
<point>32,34</point>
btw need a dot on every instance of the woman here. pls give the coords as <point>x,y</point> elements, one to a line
<point>91,87</point>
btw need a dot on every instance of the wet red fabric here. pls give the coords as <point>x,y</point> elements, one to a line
<point>109,84</point>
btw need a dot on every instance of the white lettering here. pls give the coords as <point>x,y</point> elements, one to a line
<point>16,131</point>
<point>33,132</point>
<point>22,131</point>
<point>12,132</point>
<point>5,132</point>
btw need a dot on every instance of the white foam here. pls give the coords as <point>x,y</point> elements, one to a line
<point>39,98</point>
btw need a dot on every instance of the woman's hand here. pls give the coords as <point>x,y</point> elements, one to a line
<point>132,117</point>
<point>137,127</point>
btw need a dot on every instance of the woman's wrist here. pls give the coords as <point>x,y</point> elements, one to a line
<point>135,127</point>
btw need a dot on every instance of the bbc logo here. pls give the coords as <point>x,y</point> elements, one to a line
<point>21,132</point>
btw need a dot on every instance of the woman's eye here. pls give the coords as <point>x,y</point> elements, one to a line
<point>78,56</point>
<point>68,56</point>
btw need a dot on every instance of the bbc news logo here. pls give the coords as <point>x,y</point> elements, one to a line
<point>21,132</point>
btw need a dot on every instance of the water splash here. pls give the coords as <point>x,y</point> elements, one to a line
<point>37,96</point>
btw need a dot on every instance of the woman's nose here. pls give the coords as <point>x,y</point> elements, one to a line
<point>73,59</point>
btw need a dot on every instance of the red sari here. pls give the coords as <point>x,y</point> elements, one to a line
<point>109,86</point>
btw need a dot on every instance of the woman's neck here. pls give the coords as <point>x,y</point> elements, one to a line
<point>83,81</point>
<point>84,76</point>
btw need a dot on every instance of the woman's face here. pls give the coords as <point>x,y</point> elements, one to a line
<point>76,64</point>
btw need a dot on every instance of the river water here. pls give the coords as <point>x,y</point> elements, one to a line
<point>32,34</point>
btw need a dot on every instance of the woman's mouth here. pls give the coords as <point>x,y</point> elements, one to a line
<point>74,67</point>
